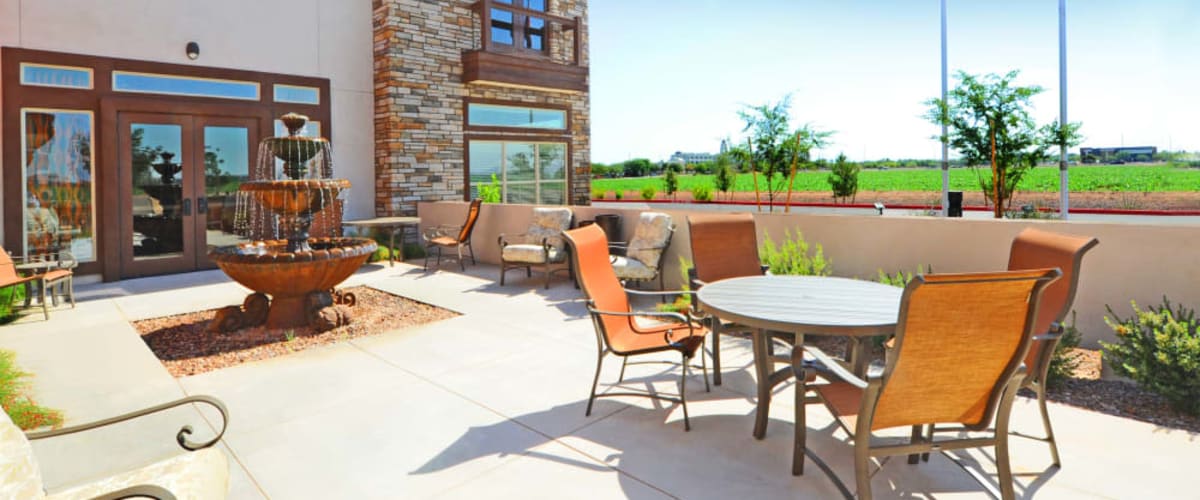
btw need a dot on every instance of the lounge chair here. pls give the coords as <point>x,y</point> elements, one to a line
<point>542,246</point>
<point>47,275</point>
<point>960,342</point>
<point>618,331</point>
<point>1031,249</point>
<point>201,473</point>
<point>450,236</point>
<point>723,246</point>
<point>641,260</point>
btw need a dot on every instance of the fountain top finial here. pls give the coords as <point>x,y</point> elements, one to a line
<point>293,122</point>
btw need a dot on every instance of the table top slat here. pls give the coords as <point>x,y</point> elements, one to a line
<point>805,304</point>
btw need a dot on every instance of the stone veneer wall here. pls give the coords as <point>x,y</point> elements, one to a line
<point>419,145</point>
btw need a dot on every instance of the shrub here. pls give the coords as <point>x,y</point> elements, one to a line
<point>793,256</point>
<point>490,192</point>
<point>843,178</point>
<point>648,192</point>
<point>10,295</point>
<point>1159,348</point>
<point>724,178</point>
<point>702,193</point>
<point>682,302</point>
<point>618,194</point>
<point>1064,361</point>
<point>23,411</point>
<point>901,279</point>
<point>671,183</point>
<point>382,253</point>
<point>598,194</point>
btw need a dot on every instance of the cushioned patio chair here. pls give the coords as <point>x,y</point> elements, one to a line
<point>723,246</point>
<point>641,259</point>
<point>451,236</point>
<point>46,274</point>
<point>542,246</point>
<point>201,473</point>
<point>1032,249</point>
<point>960,343</point>
<point>618,330</point>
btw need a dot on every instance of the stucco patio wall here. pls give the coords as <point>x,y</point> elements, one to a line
<point>1138,262</point>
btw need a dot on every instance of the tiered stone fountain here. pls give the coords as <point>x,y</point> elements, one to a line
<point>299,273</point>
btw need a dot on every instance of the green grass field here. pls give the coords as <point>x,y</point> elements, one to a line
<point>1106,178</point>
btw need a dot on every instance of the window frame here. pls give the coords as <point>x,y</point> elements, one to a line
<point>564,132</point>
<point>520,19</point>
<point>93,214</point>
<point>564,140</point>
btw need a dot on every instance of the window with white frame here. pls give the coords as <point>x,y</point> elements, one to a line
<point>526,171</point>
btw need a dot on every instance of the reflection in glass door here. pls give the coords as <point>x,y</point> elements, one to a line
<point>157,164</point>
<point>226,166</point>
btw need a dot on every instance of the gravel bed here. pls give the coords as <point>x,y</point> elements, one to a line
<point>185,347</point>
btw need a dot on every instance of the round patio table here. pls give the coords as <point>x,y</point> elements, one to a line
<point>801,305</point>
<point>392,225</point>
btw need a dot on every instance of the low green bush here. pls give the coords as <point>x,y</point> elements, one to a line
<point>618,194</point>
<point>648,192</point>
<point>381,254</point>
<point>702,193</point>
<point>10,295</point>
<point>682,302</point>
<point>792,257</point>
<point>23,411</point>
<point>901,278</point>
<point>1159,348</point>
<point>598,194</point>
<point>490,192</point>
<point>1064,361</point>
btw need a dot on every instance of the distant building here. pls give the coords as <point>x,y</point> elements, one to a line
<point>1117,155</point>
<point>691,158</point>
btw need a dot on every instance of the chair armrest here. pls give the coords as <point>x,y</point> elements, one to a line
<point>139,491</point>
<point>180,437</point>
<point>618,248</point>
<point>666,334</point>
<point>830,364</point>
<point>659,293</point>
<point>441,230</point>
<point>1056,332</point>
<point>511,239</point>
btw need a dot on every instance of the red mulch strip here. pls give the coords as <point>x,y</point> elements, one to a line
<point>186,348</point>
<point>1189,200</point>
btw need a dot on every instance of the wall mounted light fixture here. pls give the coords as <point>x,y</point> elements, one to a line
<point>193,50</point>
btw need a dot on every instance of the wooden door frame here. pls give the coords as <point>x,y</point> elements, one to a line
<point>254,134</point>
<point>109,187</point>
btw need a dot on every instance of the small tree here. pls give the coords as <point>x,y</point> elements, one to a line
<point>670,183</point>
<point>843,178</point>
<point>989,123</point>
<point>723,179</point>
<point>638,167</point>
<point>774,147</point>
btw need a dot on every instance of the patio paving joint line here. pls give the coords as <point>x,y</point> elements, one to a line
<point>228,445</point>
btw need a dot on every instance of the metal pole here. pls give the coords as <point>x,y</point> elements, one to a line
<point>1064,185</point>
<point>945,146</point>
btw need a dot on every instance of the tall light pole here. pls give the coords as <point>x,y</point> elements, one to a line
<point>945,145</point>
<point>1064,186</point>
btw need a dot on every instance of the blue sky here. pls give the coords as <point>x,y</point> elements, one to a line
<point>671,75</point>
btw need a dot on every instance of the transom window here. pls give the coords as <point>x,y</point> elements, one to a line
<point>125,81</point>
<point>518,29</point>
<point>497,115</point>
<point>527,172</point>
<point>49,75</point>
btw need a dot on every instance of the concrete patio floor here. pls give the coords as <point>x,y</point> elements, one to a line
<point>490,404</point>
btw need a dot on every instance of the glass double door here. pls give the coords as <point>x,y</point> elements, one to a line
<point>179,176</point>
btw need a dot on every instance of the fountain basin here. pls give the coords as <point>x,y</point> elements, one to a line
<point>289,277</point>
<point>295,197</point>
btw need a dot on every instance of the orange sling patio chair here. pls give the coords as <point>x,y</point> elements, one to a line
<point>47,277</point>
<point>960,344</point>
<point>1032,249</point>
<point>617,329</point>
<point>456,237</point>
<point>723,246</point>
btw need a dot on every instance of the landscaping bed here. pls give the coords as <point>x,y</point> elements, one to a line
<point>186,347</point>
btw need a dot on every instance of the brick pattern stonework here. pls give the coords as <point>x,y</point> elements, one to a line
<point>419,100</point>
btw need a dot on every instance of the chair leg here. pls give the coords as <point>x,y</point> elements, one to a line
<point>472,249</point>
<point>704,368</point>
<point>461,265</point>
<point>595,380</point>
<point>915,438</point>
<point>621,377</point>
<point>1003,467</point>
<point>716,350</point>
<point>800,437</point>
<point>439,259</point>
<point>428,250</point>
<point>502,269</point>
<point>1041,397</point>
<point>548,272</point>
<point>687,425</point>
<point>929,431</point>
<point>71,296</point>
<point>45,303</point>
<point>862,459</point>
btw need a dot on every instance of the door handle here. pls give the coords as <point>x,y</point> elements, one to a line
<point>201,206</point>
<point>187,207</point>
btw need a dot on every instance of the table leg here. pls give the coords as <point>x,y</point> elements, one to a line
<point>762,368</point>
<point>392,247</point>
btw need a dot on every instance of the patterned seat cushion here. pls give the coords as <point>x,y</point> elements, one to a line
<point>650,238</point>
<point>531,254</point>
<point>549,224</point>
<point>630,269</point>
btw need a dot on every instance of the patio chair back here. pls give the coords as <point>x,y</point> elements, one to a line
<point>464,235</point>
<point>724,246</point>
<point>1034,249</point>
<point>8,269</point>
<point>589,251</point>
<point>959,340</point>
